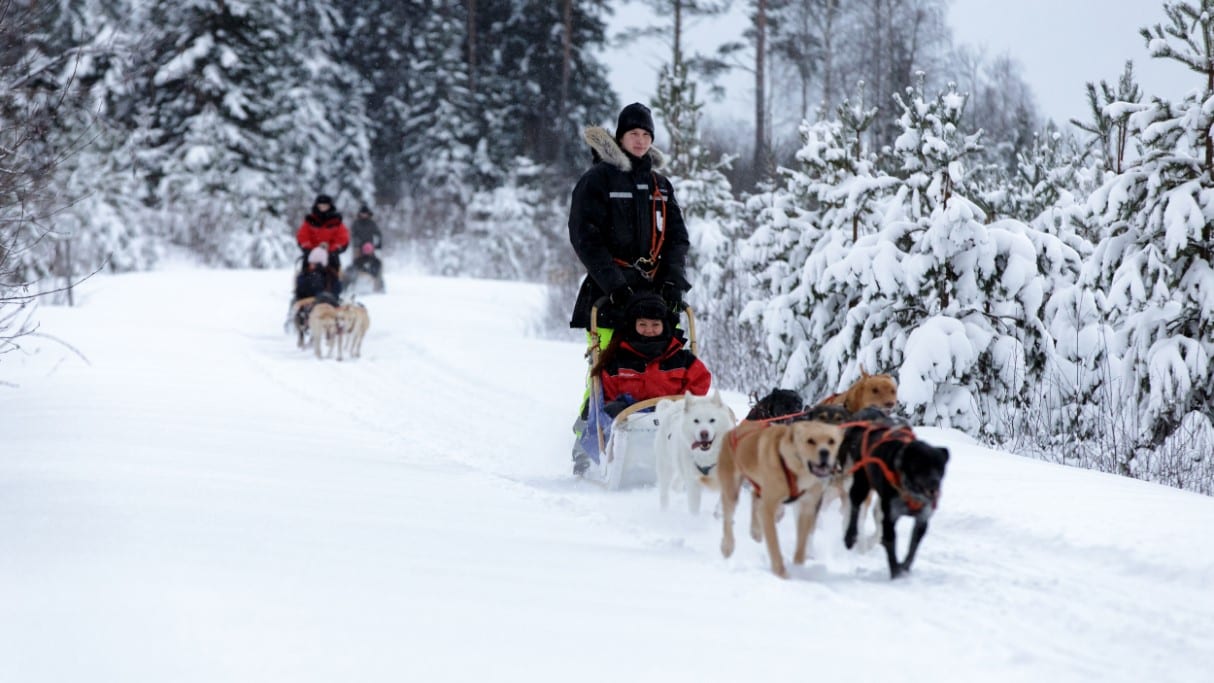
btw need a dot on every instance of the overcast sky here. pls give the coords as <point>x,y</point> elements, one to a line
<point>1062,44</point>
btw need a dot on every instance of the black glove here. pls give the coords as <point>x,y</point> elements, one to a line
<point>672,293</point>
<point>619,296</point>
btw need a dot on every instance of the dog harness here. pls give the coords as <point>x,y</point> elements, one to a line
<point>794,492</point>
<point>885,434</point>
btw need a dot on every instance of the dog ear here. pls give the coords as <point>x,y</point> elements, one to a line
<point>943,454</point>
<point>863,372</point>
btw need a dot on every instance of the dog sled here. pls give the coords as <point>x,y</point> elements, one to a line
<point>622,448</point>
<point>365,275</point>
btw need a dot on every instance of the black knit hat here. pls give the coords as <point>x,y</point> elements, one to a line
<point>646,305</point>
<point>324,199</point>
<point>635,115</point>
<point>365,209</point>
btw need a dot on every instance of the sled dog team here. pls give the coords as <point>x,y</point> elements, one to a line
<point>330,327</point>
<point>846,447</point>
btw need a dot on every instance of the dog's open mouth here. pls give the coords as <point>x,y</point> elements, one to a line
<point>701,445</point>
<point>821,471</point>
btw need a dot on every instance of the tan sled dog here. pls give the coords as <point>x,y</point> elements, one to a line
<point>879,391</point>
<point>783,463</point>
<point>354,321</point>
<point>325,330</point>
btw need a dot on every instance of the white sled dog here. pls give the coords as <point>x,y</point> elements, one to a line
<point>687,443</point>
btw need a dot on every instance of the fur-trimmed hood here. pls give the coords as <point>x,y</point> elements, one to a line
<point>606,148</point>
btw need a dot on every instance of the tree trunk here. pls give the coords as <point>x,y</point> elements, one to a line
<point>67,271</point>
<point>828,58</point>
<point>761,152</point>
<point>1208,136</point>
<point>674,122</point>
<point>566,71</point>
<point>472,46</point>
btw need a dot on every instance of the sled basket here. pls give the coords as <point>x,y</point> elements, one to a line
<point>624,445</point>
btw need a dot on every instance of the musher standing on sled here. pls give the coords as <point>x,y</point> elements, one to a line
<point>627,230</point>
<point>323,226</point>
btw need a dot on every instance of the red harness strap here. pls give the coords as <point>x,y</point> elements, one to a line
<point>793,491</point>
<point>648,265</point>
<point>884,434</point>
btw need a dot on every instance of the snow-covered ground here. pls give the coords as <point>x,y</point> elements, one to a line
<point>191,498</point>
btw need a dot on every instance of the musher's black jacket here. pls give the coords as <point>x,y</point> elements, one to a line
<point>611,217</point>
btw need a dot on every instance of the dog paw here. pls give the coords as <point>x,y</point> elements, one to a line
<point>780,572</point>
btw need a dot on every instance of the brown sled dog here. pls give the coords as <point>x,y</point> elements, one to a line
<point>880,391</point>
<point>784,464</point>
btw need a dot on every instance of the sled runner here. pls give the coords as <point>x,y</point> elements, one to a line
<point>622,448</point>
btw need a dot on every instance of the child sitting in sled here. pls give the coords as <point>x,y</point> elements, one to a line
<point>317,276</point>
<point>644,359</point>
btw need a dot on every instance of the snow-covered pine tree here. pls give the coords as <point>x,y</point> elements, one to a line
<point>31,143</point>
<point>209,127</point>
<point>376,38</point>
<point>541,81</point>
<point>1109,136</point>
<point>104,224</point>
<point>509,228</point>
<point>325,109</point>
<point>954,305</point>
<point>67,57</point>
<point>809,223</point>
<point>440,120</point>
<point>1043,194</point>
<point>1156,260</point>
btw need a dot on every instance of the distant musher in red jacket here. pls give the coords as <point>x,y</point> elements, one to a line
<point>323,227</point>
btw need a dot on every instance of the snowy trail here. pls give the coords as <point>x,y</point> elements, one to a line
<point>201,501</point>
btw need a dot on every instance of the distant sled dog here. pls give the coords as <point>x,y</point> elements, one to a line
<point>687,444</point>
<point>325,331</point>
<point>297,317</point>
<point>354,321</point>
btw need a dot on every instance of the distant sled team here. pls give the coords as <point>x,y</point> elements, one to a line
<point>320,318</point>
<point>329,326</point>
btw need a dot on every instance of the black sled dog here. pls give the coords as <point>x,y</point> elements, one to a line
<point>906,474</point>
